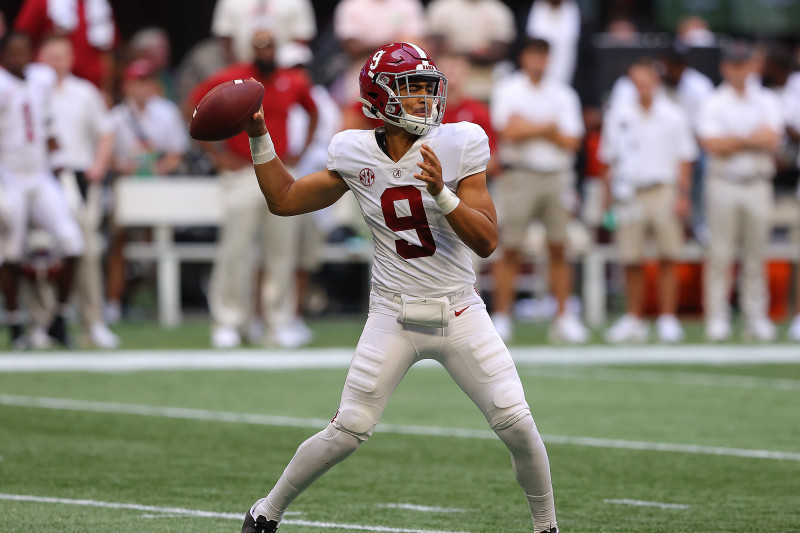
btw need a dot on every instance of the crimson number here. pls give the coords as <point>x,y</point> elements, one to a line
<point>416,221</point>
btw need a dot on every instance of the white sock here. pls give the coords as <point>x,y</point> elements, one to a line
<point>313,458</point>
<point>532,469</point>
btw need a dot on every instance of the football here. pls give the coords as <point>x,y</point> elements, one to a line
<point>226,109</point>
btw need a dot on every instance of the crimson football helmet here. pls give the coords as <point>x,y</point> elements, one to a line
<point>385,81</point>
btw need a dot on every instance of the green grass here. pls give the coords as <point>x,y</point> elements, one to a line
<point>338,332</point>
<point>224,467</point>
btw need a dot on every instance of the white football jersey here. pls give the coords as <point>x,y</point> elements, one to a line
<point>416,251</point>
<point>24,112</point>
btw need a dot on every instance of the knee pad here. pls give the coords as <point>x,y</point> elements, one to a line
<point>520,434</point>
<point>343,442</point>
<point>356,422</point>
<point>506,404</point>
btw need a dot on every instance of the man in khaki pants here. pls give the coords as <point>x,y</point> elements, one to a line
<point>84,133</point>
<point>540,126</point>
<point>246,214</point>
<point>649,145</point>
<point>739,126</point>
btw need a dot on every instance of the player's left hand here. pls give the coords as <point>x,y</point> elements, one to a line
<point>431,172</point>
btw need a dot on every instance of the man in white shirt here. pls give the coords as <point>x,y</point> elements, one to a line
<point>150,139</point>
<point>559,23</point>
<point>30,192</point>
<point>480,30</point>
<point>540,126</point>
<point>740,127</point>
<point>84,134</point>
<point>235,22</point>
<point>649,148</point>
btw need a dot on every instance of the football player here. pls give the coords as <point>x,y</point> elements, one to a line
<point>31,192</point>
<point>422,191</point>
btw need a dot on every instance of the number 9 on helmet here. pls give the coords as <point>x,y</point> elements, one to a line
<point>386,80</point>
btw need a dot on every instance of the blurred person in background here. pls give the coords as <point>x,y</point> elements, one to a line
<point>740,127</point>
<point>150,139</point>
<point>559,23</point>
<point>480,30</point>
<point>31,194</point>
<point>90,27</point>
<point>235,21</point>
<point>779,76</point>
<point>152,44</point>
<point>361,26</point>
<point>84,134</point>
<point>540,126</point>
<point>649,148</point>
<point>244,210</point>
<point>694,31</point>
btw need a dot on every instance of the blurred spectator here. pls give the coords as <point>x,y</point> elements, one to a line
<point>740,127</point>
<point>153,45</point>
<point>150,140</point>
<point>245,213</point>
<point>312,226</point>
<point>462,107</point>
<point>361,26</point>
<point>2,24</point>
<point>30,193</point>
<point>90,27</point>
<point>540,127</point>
<point>693,31</point>
<point>235,21</point>
<point>84,133</point>
<point>649,147</point>
<point>559,23</point>
<point>622,32</point>
<point>481,30</point>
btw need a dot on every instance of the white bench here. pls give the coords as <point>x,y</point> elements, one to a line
<point>169,202</point>
<point>166,203</point>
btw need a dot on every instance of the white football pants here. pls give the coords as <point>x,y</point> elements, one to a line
<point>471,351</point>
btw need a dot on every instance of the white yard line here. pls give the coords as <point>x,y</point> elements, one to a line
<point>420,508</point>
<point>128,361</point>
<point>317,423</point>
<point>666,377</point>
<point>642,503</point>
<point>177,511</point>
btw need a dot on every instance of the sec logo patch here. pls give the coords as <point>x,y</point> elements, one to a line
<point>367,177</point>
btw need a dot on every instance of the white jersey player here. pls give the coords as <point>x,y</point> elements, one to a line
<point>422,190</point>
<point>30,191</point>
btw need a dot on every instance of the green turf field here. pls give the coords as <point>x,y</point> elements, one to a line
<point>704,464</point>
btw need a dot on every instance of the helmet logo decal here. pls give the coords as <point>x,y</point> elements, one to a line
<point>376,59</point>
<point>367,177</point>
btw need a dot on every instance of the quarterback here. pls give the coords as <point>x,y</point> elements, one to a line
<point>422,190</point>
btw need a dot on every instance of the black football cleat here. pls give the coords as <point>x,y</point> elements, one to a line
<point>58,331</point>
<point>18,339</point>
<point>258,525</point>
<point>551,530</point>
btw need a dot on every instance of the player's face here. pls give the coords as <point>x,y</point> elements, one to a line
<point>417,89</point>
<point>533,62</point>
<point>17,55</point>
<point>645,80</point>
<point>736,72</point>
<point>57,54</point>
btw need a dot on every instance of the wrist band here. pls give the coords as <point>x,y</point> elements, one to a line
<point>262,149</point>
<point>446,200</point>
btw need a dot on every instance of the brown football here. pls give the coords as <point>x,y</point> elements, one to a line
<point>226,109</point>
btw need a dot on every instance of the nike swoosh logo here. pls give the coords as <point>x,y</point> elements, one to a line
<point>458,313</point>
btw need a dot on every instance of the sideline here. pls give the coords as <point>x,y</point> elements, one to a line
<point>428,431</point>
<point>139,360</point>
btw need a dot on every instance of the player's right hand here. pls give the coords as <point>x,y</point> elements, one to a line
<point>257,127</point>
